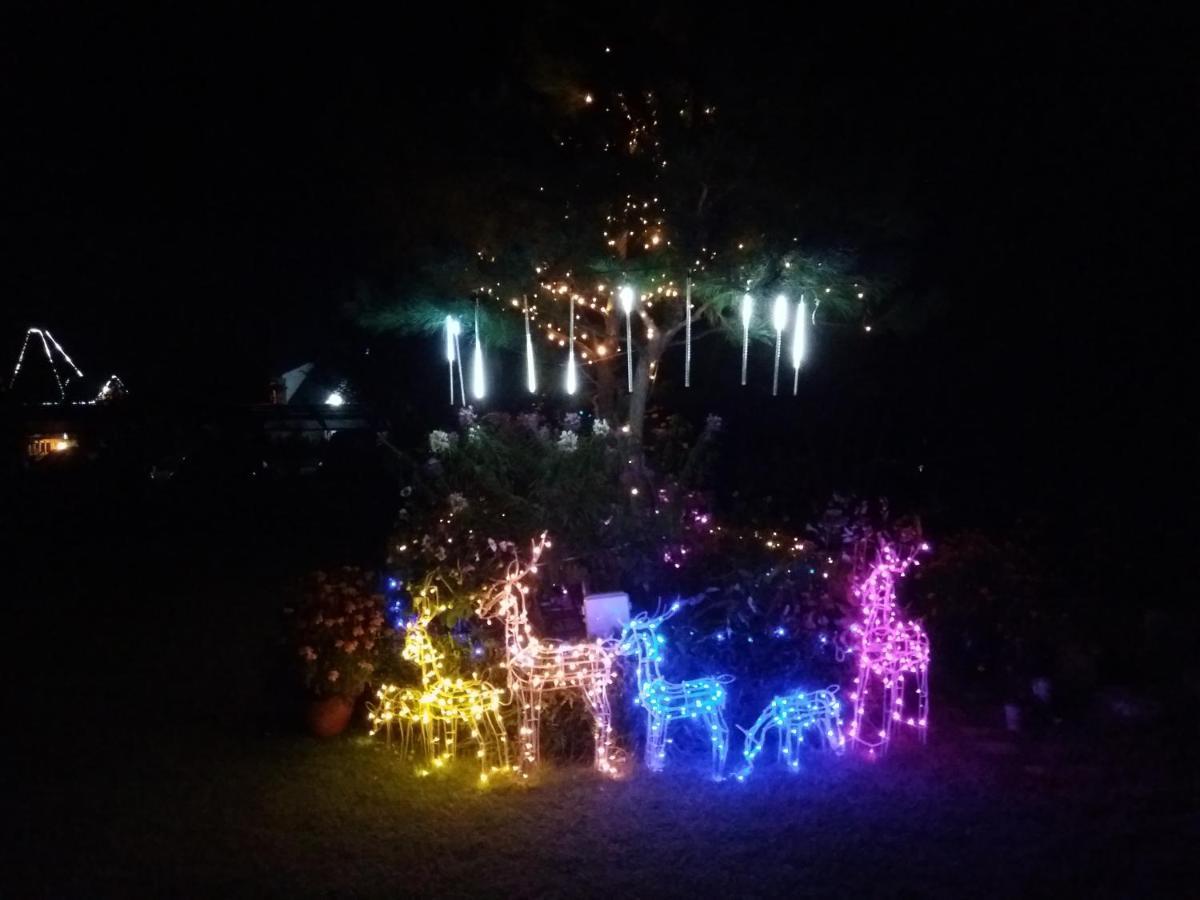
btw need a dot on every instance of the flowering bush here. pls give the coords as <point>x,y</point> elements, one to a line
<point>339,631</point>
<point>619,520</point>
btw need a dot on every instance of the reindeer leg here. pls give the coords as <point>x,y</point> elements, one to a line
<point>528,736</point>
<point>596,698</point>
<point>719,733</point>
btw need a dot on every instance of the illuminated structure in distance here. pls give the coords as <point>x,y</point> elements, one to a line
<point>893,656</point>
<point>537,666</point>
<point>701,699</point>
<point>792,716</point>
<point>443,704</point>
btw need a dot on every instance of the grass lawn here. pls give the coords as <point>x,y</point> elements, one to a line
<point>280,815</point>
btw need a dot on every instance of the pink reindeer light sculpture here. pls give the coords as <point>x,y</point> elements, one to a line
<point>537,666</point>
<point>893,656</point>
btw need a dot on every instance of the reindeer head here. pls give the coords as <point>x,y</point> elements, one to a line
<point>506,596</point>
<point>418,648</point>
<point>641,635</point>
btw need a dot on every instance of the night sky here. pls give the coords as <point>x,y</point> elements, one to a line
<point>192,198</point>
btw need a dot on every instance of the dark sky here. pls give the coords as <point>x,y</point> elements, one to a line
<point>191,196</point>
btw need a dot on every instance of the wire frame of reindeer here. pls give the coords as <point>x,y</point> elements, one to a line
<point>442,705</point>
<point>538,666</point>
<point>792,717</point>
<point>698,700</point>
<point>893,655</point>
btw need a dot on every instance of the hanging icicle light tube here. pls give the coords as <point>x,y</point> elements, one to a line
<point>452,330</point>
<point>799,343</point>
<point>687,335</point>
<point>530,369</point>
<point>779,317</point>
<point>571,385</point>
<point>627,298</point>
<point>478,383</point>
<point>747,315</point>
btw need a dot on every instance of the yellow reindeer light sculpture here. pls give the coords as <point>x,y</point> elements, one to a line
<point>442,704</point>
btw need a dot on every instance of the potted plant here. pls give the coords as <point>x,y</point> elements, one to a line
<point>340,637</point>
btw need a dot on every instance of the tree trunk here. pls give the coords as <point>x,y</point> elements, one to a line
<point>651,353</point>
<point>605,401</point>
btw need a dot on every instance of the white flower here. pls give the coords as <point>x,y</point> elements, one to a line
<point>572,421</point>
<point>457,502</point>
<point>466,416</point>
<point>713,423</point>
<point>439,441</point>
<point>568,441</point>
<point>601,428</point>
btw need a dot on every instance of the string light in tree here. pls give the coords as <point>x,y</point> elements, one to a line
<point>747,316</point>
<point>627,298</point>
<point>779,318</point>
<point>478,383</point>
<point>540,665</point>
<point>799,344</point>
<point>700,700</point>
<point>791,716</point>
<point>893,654</point>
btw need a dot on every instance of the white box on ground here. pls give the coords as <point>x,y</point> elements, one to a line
<point>605,613</point>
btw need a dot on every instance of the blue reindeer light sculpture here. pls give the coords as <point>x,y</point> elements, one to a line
<point>701,699</point>
<point>792,715</point>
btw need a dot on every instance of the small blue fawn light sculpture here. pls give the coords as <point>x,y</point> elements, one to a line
<point>701,699</point>
<point>792,715</point>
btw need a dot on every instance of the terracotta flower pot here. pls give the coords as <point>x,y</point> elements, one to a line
<point>329,716</point>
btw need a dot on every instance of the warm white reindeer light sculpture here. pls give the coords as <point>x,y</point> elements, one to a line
<point>537,666</point>
<point>893,654</point>
<point>700,699</point>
